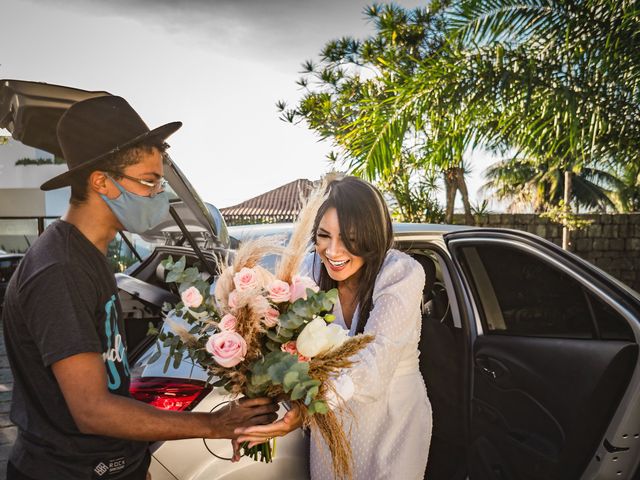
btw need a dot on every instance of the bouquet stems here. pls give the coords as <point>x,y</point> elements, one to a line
<point>265,452</point>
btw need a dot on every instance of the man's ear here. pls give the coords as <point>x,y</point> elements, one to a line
<point>99,183</point>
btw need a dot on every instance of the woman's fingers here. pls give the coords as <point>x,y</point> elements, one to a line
<point>236,451</point>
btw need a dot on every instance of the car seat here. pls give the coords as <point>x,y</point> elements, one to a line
<point>441,364</point>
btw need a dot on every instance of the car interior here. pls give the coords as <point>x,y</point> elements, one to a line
<point>442,357</point>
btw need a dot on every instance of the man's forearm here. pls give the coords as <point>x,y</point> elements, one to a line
<point>121,417</point>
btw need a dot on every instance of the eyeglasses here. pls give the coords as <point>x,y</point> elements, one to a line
<point>156,187</point>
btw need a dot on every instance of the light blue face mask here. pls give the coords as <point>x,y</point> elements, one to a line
<point>138,213</point>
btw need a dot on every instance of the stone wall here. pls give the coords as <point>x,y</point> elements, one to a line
<point>611,242</point>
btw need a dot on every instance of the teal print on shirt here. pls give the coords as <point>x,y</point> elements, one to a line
<point>116,352</point>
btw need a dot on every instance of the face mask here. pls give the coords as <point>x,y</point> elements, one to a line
<point>137,213</point>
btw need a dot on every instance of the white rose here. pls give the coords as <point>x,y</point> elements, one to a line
<point>318,337</point>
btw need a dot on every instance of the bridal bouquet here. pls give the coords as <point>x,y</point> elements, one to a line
<point>264,334</point>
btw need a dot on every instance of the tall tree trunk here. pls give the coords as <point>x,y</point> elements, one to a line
<point>450,192</point>
<point>461,184</point>
<point>566,233</point>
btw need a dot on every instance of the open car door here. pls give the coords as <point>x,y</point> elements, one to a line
<point>556,381</point>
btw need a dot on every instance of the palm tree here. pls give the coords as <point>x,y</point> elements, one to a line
<point>346,98</point>
<point>627,195</point>
<point>529,182</point>
<point>558,81</point>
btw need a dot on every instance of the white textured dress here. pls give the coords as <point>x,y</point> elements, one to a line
<point>390,432</point>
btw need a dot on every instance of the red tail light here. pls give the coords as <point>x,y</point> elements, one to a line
<point>169,393</point>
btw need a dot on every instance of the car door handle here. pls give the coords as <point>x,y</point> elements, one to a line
<point>489,372</point>
<point>491,367</point>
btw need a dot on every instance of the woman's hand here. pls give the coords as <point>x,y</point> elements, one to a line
<point>259,434</point>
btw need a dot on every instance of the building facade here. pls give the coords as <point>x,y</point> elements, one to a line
<point>24,208</point>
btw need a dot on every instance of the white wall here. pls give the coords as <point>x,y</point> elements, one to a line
<point>20,193</point>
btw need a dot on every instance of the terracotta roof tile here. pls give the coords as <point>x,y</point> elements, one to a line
<point>277,205</point>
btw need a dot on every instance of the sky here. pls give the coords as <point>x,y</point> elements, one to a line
<point>219,66</point>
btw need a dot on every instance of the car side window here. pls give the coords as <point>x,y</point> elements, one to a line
<point>7,267</point>
<point>520,293</point>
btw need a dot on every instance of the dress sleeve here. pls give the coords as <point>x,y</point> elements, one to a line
<point>59,309</point>
<point>396,303</point>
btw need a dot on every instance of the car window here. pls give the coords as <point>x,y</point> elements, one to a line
<point>7,267</point>
<point>17,234</point>
<point>520,293</point>
<point>120,256</point>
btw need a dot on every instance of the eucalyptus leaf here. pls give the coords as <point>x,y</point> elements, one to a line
<point>152,330</point>
<point>173,276</point>
<point>180,265</point>
<point>291,321</point>
<point>167,362</point>
<point>311,394</point>
<point>285,333</point>
<point>155,357</point>
<point>190,275</point>
<point>177,359</point>
<point>167,263</point>
<point>290,380</point>
<point>167,307</point>
<point>320,407</point>
<point>273,336</point>
<point>298,392</point>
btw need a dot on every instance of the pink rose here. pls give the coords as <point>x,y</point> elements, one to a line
<point>246,279</point>
<point>232,301</point>
<point>191,297</point>
<point>279,291</point>
<point>290,348</point>
<point>299,287</point>
<point>227,348</point>
<point>270,318</point>
<point>228,323</point>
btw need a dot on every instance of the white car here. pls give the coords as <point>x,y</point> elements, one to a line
<point>530,354</point>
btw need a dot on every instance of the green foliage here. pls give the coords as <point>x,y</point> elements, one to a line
<point>554,83</point>
<point>560,83</point>
<point>39,161</point>
<point>540,184</point>
<point>280,368</point>
<point>355,78</point>
<point>198,319</point>
<point>562,215</point>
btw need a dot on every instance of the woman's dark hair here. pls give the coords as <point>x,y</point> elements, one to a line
<point>365,225</point>
<point>115,163</point>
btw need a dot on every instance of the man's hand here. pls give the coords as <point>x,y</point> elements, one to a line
<point>260,434</point>
<point>83,381</point>
<point>242,413</point>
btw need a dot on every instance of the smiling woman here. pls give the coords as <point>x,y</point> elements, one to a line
<point>379,293</point>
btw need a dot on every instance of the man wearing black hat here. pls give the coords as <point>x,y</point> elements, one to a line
<point>63,322</point>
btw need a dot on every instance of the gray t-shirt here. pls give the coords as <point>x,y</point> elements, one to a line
<point>62,301</point>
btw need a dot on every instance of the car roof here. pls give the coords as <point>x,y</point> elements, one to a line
<point>241,232</point>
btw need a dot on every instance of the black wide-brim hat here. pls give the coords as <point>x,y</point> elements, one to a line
<point>92,130</point>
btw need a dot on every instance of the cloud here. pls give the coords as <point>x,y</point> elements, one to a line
<point>273,28</point>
